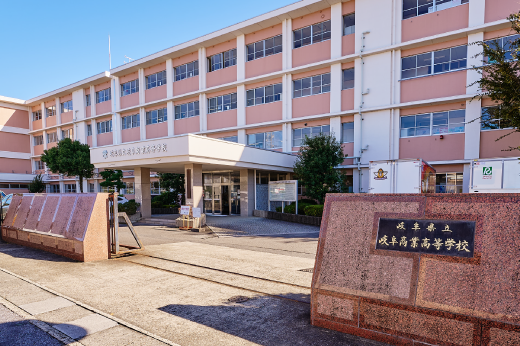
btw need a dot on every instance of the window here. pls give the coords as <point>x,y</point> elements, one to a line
<point>156,116</point>
<point>38,165</point>
<point>14,186</point>
<point>448,182</point>
<point>233,139</point>
<point>89,130</point>
<point>52,137</point>
<point>433,123</point>
<point>222,103</point>
<point>67,134</point>
<point>348,78</point>
<point>155,188</point>
<point>37,115</point>
<point>38,140</point>
<point>312,34</point>
<point>222,60</point>
<point>66,106</point>
<point>130,122</point>
<point>488,121</point>
<point>311,85</point>
<point>103,95</point>
<point>70,188</point>
<point>266,94</point>
<point>187,110</point>
<point>300,134</point>
<point>264,48</point>
<point>87,100</point>
<point>156,79</point>
<point>347,132</point>
<point>187,70</point>
<point>505,43</point>
<point>91,188</point>
<point>129,188</point>
<point>129,87</point>
<point>349,24</point>
<point>266,140</point>
<point>440,61</point>
<point>104,127</point>
<point>414,8</point>
<point>50,111</point>
<point>54,188</point>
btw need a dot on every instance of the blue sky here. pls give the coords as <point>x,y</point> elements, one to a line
<point>45,45</point>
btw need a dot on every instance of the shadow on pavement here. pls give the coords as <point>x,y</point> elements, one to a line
<point>24,333</point>
<point>265,320</point>
<point>20,251</point>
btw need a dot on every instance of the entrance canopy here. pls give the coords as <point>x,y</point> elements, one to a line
<point>172,154</point>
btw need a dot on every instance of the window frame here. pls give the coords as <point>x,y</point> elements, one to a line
<point>70,188</point>
<point>37,115</point>
<point>265,140</point>
<point>133,87</point>
<point>66,105</point>
<point>232,139</point>
<point>89,130</point>
<point>353,80</point>
<point>38,140</point>
<point>134,120</point>
<point>39,165</point>
<point>276,48</point>
<point>351,28</point>
<point>52,137</point>
<point>179,110</point>
<point>431,125</point>
<point>433,6</point>
<point>50,110</point>
<point>158,118</point>
<point>459,187</point>
<point>311,85</point>
<point>312,134</point>
<point>499,121</point>
<point>312,34</point>
<point>105,94</point>
<point>69,132</point>
<point>158,82</point>
<point>343,132</point>
<point>276,97</point>
<point>431,66</point>
<point>87,100</point>
<point>103,127</point>
<point>229,61</point>
<point>221,98</point>
<point>178,73</point>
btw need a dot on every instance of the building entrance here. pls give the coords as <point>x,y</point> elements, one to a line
<point>222,193</point>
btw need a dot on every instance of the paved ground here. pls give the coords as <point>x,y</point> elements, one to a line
<point>179,290</point>
<point>255,226</point>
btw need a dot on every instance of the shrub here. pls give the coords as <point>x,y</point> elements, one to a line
<point>166,198</point>
<point>290,209</point>
<point>157,204</point>
<point>279,209</point>
<point>171,206</point>
<point>314,210</point>
<point>130,207</point>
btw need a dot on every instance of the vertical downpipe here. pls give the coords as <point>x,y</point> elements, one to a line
<point>361,102</point>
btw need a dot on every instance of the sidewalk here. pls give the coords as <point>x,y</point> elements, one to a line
<point>188,289</point>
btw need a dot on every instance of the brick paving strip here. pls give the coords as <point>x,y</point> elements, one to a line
<point>66,333</point>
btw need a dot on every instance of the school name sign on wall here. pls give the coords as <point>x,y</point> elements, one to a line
<point>139,150</point>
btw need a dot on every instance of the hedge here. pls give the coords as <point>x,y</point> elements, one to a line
<point>314,210</point>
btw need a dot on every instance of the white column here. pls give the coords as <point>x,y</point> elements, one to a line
<point>116,93</point>
<point>241,57</point>
<point>242,137</point>
<point>202,68</point>
<point>473,107</point>
<point>193,185</point>
<point>80,132</point>
<point>247,192</point>
<point>85,185</point>
<point>336,30</point>
<point>286,137</point>
<point>335,127</point>
<point>58,110</point>
<point>116,128</point>
<point>203,112</point>
<point>62,184</point>
<point>59,134</point>
<point>142,86</point>
<point>142,122</point>
<point>45,140</point>
<point>32,145</point>
<point>287,43</point>
<point>477,12</point>
<point>92,101</point>
<point>335,88</point>
<point>78,189</point>
<point>142,190</point>
<point>357,134</point>
<point>78,103</point>
<point>171,118</point>
<point>241,105</point>
<point>287,96</point>
<point>44,115</point>
<point>169,78</point>
<point>94,133</point>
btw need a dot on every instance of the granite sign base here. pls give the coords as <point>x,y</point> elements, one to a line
<point>432,269</point>
<point>70,225</point>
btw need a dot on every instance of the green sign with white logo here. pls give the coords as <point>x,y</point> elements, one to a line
<point>488,170</point>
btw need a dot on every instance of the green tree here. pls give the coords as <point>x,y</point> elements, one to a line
<point>37,185</point>
<point>500,81</point>
<point>172,182</point>
<point>316,164</point>
<point>70,158</point>
<point>113,179</point>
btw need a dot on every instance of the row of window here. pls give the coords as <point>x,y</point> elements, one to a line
<point>414,8</point>
<point>52,137</point>
<point>51,111</point>
<point>440,61</point>
<point>130,122</point>
<point>14,186</point>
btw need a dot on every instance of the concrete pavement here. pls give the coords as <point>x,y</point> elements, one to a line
<point>182,289</point>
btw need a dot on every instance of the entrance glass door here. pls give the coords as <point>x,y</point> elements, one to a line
<point>225,199</point>
<point>235,199</point>
<point>216,199</point>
